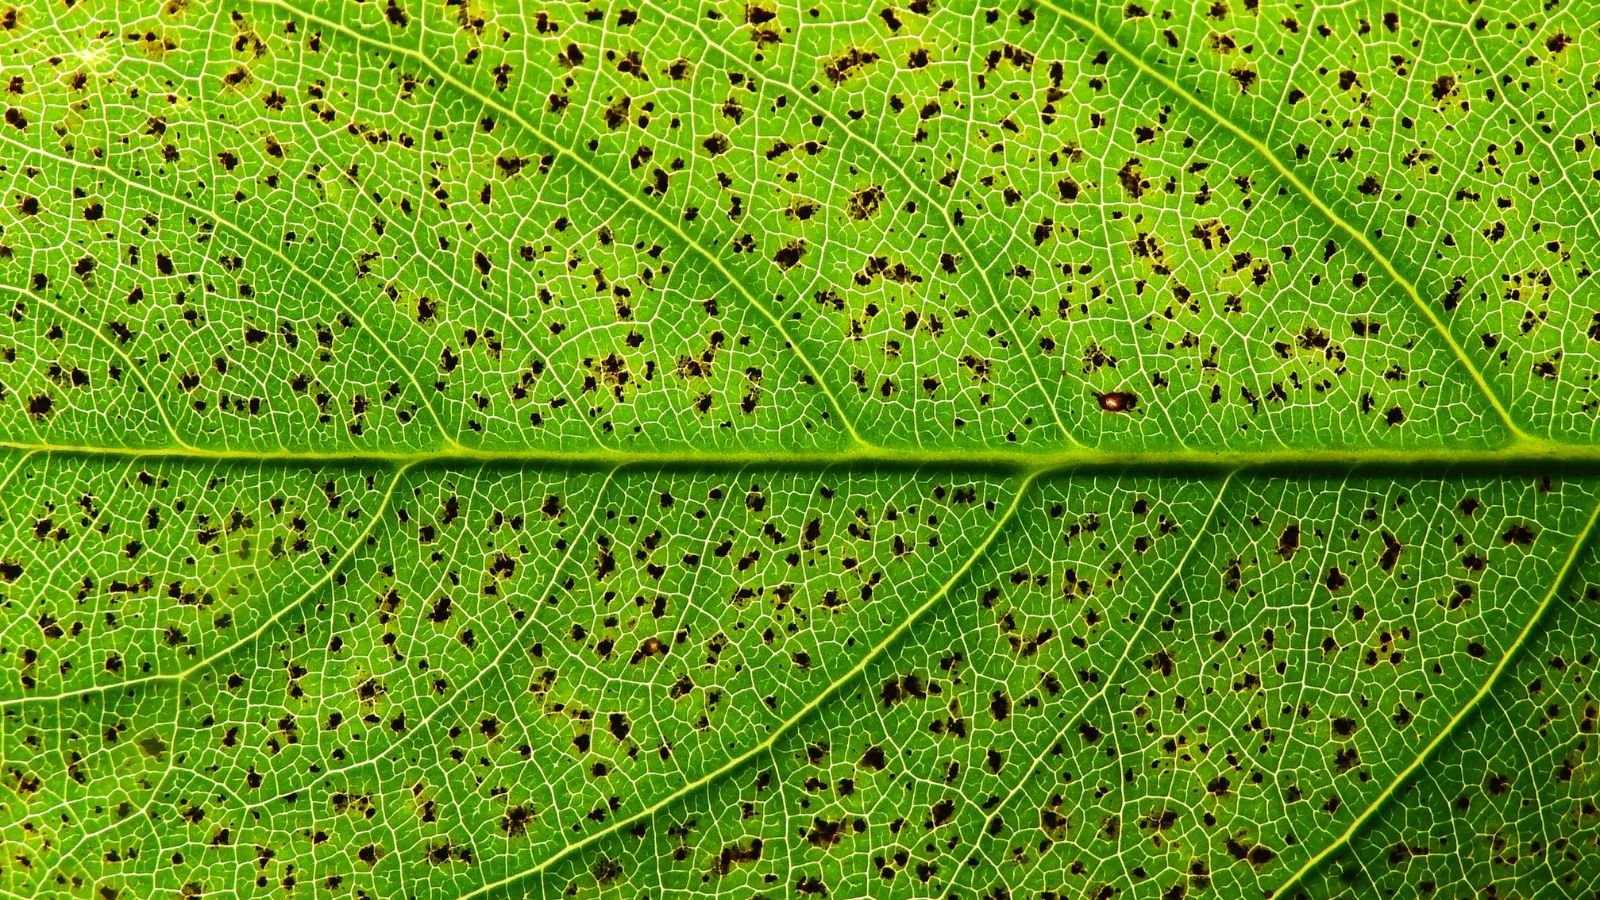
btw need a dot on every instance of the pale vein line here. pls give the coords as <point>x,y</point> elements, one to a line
<point>21,461</point>
<point>583,163</point>
<point>788,725</point>
<point>916,188</point>
<point>465,689</point>
<point>138,374</point>
<point>267,623</point>
<point>1261,149</point>
<point>1435,461</point>
<point>261,244</point>
<point>1558,581</point>
<point>1178,568</point>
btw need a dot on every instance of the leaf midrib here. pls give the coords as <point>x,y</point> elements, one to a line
<point>1546,457</point>
<point>1029,466</point>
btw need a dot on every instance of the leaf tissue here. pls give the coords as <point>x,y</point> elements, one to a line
<point>733,448</point>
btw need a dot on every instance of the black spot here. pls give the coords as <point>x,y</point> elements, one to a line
<point>1391,552</point>
<point>1289,541</point>
<point>789,255</point>
<point>515,822</point>
<point>999,705</point>
<point>1336,579</point>
<point>1518,534</point>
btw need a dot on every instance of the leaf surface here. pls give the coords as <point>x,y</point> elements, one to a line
<point>479,449</point>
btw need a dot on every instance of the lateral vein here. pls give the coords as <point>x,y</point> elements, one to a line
<point>1167,82</point>
<point>1558,581</point>
<point>788,725</point>
<point>578,160</point>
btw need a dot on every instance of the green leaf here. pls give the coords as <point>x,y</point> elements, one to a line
<point>1114,450</point>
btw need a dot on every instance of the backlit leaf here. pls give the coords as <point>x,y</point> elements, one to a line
<point>473,448</point>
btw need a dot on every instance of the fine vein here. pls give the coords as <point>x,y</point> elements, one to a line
<point>1513,650</point>
<point>788,725</point>
<point>1261,149</point>
<point>581,162</point>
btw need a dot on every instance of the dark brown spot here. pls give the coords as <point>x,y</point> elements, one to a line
<point>1117,401</point>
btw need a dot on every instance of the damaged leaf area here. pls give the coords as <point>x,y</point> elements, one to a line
<point>475,448</point>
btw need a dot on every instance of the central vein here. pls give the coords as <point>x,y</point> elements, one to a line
<point>1545,457</point>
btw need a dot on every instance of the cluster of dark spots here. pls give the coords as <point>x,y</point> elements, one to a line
<point>1010,53</point>
<point>510,166</point>
<point>1518,534</point>
<point>802,209</point>
<point>873,759</point>
<point>1346,759</point>
<point>1392,548</point>
<point>516,820</point>
<point>441,852</point>
<point>1212,234</point>
<point>880,266</point>
<point>1335,580</point>
<point>864,203</point>
<point>1257,855</point>
<point>789,255</point>
<point>896,690</point>
<point>1289,541</point>
<point>999,706</point>
<point>736,854</point>
<point>824,832</point>
<point>1096,357</point>
<point>840,68</point>
<point>1163,663</point>
<point>1131,177</point>
<point>605,561</point>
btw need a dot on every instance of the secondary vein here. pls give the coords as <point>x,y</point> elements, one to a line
<point>600,177</point>
<point>789,724</point>
<point>1568,566</point>
<point>1168,83</point>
